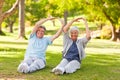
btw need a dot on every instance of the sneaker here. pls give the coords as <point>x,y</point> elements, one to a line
<point>23,68</point>
<point>58,71</point>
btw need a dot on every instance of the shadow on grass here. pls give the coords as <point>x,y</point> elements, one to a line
<point>102,59</point>
<point>8,65</point>
<point>94,66</point>
<point>9,42</point>
<point>12,49</point>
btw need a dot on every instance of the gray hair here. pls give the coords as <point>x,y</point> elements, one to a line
<point>74,28</point>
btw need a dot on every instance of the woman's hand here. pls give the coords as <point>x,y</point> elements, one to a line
<point>51,18</point>
<point>78,19</point>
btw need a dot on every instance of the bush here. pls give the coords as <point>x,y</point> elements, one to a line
<point>106,32</point>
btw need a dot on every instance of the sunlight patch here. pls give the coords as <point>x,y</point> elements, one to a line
<point>103,50</point>
<point>9,54</point>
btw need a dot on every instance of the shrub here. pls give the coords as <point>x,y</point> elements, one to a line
<point>106,32</point>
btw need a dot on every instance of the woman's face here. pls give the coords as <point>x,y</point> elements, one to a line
<point>40,32</point>
<point>74,35</point>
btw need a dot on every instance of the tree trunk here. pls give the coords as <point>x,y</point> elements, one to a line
<point>21,34</point>
<point>10,22</point>
<point>0,30</point>
<point>1,33</point>
<point>11,26</point>
<point>118,34</point>
<point>1,6</point>
<point>114,34</point>
<point>65,16</point>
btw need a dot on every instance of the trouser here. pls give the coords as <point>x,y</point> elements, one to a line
<point>68,67</point>
<point>31,65</point>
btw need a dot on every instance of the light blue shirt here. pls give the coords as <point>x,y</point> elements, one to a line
<point>37,47</point>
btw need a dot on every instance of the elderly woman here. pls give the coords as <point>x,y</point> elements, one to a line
<point>34,58</point>
<point>73,48</point>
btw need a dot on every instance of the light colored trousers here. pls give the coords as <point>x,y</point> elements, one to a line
<point>68,67</point>
<point>31,65</point>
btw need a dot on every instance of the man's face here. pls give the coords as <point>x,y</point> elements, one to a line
<point>40,32</point>
<point>74,35</point>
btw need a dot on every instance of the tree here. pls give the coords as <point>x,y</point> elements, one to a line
<point>21,20</point>
<point>10,22</point>
<point>36,10</point>
<point>106,10</point>
<point>7,13</point>
<point>111,11</point>
<point>62,7</point>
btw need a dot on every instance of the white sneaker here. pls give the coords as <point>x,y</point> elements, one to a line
<point>23,68</point>
<point>58,71</point>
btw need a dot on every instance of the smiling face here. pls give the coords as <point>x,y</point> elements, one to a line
<point>40,32</point>
<point>74,35</point>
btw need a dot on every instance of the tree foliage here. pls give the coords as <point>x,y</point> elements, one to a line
<point>98,11</point>
<point>36,10</point>
<point>105,11</point>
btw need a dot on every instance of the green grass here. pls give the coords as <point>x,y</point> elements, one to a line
<point>102,61</point>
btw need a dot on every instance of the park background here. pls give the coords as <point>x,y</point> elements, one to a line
<point>17,18</point>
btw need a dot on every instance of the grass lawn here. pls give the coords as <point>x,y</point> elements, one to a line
<point>102,60</point>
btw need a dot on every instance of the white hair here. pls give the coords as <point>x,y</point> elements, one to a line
<point>74,28</point>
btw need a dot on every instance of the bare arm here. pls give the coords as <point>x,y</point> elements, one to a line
<point>67,26</point>
<point>40,22</point>
<point>87,29</point>
<point>58,32</point>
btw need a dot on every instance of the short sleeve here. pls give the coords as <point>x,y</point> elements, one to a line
<point>49,40</point>
<point>32,35</point>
